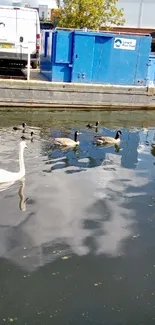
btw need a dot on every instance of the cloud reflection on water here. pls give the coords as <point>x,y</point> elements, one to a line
<point>65,210</point>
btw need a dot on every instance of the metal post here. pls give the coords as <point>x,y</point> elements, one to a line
<point>140,14</point>
<point>28,64</point>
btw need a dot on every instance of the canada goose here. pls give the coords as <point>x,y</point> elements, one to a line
<point>16,128</point>
<point>110,140</point>
<point>90,126</point>
<point>6,176</point>
<point>67,141</point>
<point>24,137</point>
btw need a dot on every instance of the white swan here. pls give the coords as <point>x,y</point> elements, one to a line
<point>11,177</point>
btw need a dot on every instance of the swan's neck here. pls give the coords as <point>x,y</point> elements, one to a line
<point>21,161</point>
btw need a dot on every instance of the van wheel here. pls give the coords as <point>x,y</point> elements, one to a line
<point>34,64</point>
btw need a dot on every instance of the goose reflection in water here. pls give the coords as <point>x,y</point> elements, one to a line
<point>117,148</point>
<point>75,157</point>
<point>153,150</point>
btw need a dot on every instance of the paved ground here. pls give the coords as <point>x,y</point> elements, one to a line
<point>36,75</point>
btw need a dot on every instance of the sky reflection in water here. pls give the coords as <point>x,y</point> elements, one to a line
<point>93,205</point>
<point>78,199</point>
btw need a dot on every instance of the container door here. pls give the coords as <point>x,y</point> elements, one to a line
<point>62,56</point>
<point>102,54</point>
<point>150,73</point>
<point>82,58</point>
<point>150,80</point>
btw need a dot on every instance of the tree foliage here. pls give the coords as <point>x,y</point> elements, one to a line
<point>89,13</point>
<point>55,16</point>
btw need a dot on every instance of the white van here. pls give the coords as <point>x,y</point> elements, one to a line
<point>19,29</point>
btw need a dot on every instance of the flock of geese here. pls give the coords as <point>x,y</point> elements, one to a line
<point>11,177</point>
<point>99,139</point>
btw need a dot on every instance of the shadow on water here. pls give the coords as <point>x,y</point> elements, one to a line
<point>77,236</point>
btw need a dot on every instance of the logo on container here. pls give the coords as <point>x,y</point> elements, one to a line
<point>118,42</point>
<point>125,43</point>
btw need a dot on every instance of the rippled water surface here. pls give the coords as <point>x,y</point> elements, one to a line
<point>77,237</point>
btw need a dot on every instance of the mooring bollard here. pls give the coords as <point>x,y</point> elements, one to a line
<point>28,65</point>
<point>150,88</point>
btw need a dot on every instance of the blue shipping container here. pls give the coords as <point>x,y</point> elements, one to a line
<point>151,71</point>
<point>92,57</point>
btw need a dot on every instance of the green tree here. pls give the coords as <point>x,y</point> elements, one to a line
<point>89,13</point>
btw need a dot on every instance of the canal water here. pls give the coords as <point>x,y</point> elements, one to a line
<point>77,237</point>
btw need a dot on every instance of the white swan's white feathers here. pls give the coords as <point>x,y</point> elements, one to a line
<point>9,177</point>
